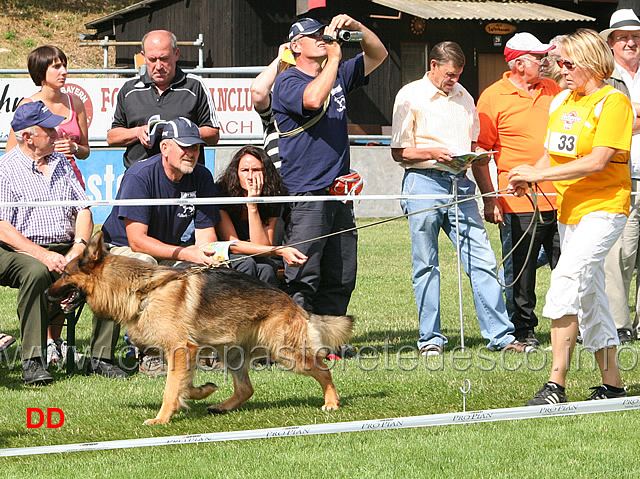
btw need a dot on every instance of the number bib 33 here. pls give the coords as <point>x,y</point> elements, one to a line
<point>564,131</point>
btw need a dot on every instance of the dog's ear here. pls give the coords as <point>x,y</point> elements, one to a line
<point>96,251</point>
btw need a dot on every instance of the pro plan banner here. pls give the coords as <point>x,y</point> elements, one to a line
<point>231,96</point>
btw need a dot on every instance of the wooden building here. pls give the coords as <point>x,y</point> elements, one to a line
<point>248,32</point>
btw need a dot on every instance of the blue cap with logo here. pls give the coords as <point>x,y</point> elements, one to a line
<point>181,130</point>
<point>32,114</point>
<point>304,26</point>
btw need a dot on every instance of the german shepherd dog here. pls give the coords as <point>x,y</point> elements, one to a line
<point>164,308</point>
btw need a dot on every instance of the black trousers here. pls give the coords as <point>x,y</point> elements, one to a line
<point>521,300</point>
<point>323,285</point>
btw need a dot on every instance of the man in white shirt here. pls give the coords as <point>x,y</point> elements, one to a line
<point>433,119</point>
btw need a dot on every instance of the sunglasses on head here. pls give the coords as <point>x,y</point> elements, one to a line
<point>565,64</point>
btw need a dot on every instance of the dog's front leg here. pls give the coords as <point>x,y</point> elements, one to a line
<point>179,377</point>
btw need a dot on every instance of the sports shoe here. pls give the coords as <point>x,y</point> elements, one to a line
<point>33,372</point>
<point>53,357</point>
<point>62,348</point>
<point>152,366</point>
<point>519,347</point>
<point>431,350</point>
<point>347,351</point>
<point>528,337</point>
<point>105,368</point>
<point>549,394</point>
<point>603,392</point>
<point>625,337</point>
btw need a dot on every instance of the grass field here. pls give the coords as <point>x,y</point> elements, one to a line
<point>377,386</point>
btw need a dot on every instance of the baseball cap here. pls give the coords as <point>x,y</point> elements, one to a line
<point>34,113</point>
<point>304,26</point>
<point>181,130</point>
<point>523,43</point>
<point>624,19</point>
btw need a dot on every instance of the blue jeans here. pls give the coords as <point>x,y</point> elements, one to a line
<point>477,257</point>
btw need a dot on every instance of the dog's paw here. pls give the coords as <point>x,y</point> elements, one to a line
<point>148,422</point>
<point>216,410</point>
<point>331,407</point>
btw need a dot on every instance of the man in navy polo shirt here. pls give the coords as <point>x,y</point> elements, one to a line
<point>164,90</point>
<point>152,233</point>
<point>315,157</point>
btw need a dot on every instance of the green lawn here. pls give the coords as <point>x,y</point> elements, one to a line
<point>378,386</point>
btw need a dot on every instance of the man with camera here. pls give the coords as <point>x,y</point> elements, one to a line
<point>309,102</point>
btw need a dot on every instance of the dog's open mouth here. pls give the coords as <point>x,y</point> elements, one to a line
<point>71,301</point>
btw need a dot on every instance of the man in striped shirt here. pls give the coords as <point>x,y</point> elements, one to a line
<point>36,243</point>
<point>433,119</point>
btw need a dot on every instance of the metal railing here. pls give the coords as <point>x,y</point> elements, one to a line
<point>106,43</point>
<point>133,71</point>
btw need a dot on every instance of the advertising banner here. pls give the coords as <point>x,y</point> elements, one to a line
<point>104,168</point>
<point>232,97</point>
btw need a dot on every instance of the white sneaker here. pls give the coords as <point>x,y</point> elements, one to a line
<point>52,353</point>
<point>62,348</point>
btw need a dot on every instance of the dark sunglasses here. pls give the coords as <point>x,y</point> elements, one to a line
<point>565,64</point>
<point>317,35</point>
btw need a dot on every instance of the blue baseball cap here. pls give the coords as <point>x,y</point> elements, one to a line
<point>34,113</point>
<point>304,26</point>
<point>181,130</point>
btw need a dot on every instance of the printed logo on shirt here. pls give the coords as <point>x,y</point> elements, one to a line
<point>338,95</point>
<point>77,90</point>
<point>187,210</point>
<point>569,119</point>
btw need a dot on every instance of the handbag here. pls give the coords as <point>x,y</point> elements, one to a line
<point>347,185</point>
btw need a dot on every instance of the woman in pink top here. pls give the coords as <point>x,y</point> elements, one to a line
<point>48,69</point>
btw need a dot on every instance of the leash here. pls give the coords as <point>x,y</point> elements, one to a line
<point>533,223</point>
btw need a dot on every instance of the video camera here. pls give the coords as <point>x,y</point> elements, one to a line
<point>344,36</point>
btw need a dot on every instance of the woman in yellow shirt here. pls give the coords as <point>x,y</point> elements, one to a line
<point>587,154</point>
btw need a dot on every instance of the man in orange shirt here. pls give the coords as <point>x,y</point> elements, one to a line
<point>514,113</point>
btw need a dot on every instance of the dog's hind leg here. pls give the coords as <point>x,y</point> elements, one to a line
<point>238,366</point>
<point>315,367</point>
<point>179,380</point>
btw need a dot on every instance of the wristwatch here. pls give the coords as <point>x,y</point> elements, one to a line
<point>80,240</point>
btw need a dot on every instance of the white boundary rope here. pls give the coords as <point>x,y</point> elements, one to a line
<point>448,419</point>
<point>223,200</point>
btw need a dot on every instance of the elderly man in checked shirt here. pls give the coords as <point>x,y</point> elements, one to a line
<point>36,243</point>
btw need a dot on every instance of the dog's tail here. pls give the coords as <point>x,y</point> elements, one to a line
<point>329,332</point>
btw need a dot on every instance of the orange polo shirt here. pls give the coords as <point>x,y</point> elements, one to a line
<point>514,123</point>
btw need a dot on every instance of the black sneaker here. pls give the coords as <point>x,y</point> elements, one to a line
<point>347,351</point>
<point>549,394</point>
<point>603,392</point>
<point>625,337</point>
<point>34,373</point>
<point>528,338</point>
<point>100,366</point>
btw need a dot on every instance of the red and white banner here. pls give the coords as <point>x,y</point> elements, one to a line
<point>231,96</point>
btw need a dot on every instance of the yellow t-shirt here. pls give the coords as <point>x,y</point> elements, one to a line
<point>577,124</point>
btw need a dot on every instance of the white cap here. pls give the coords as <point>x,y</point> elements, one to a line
<point>523,43</point>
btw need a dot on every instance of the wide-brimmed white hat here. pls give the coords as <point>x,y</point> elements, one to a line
<point>624,19</point>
